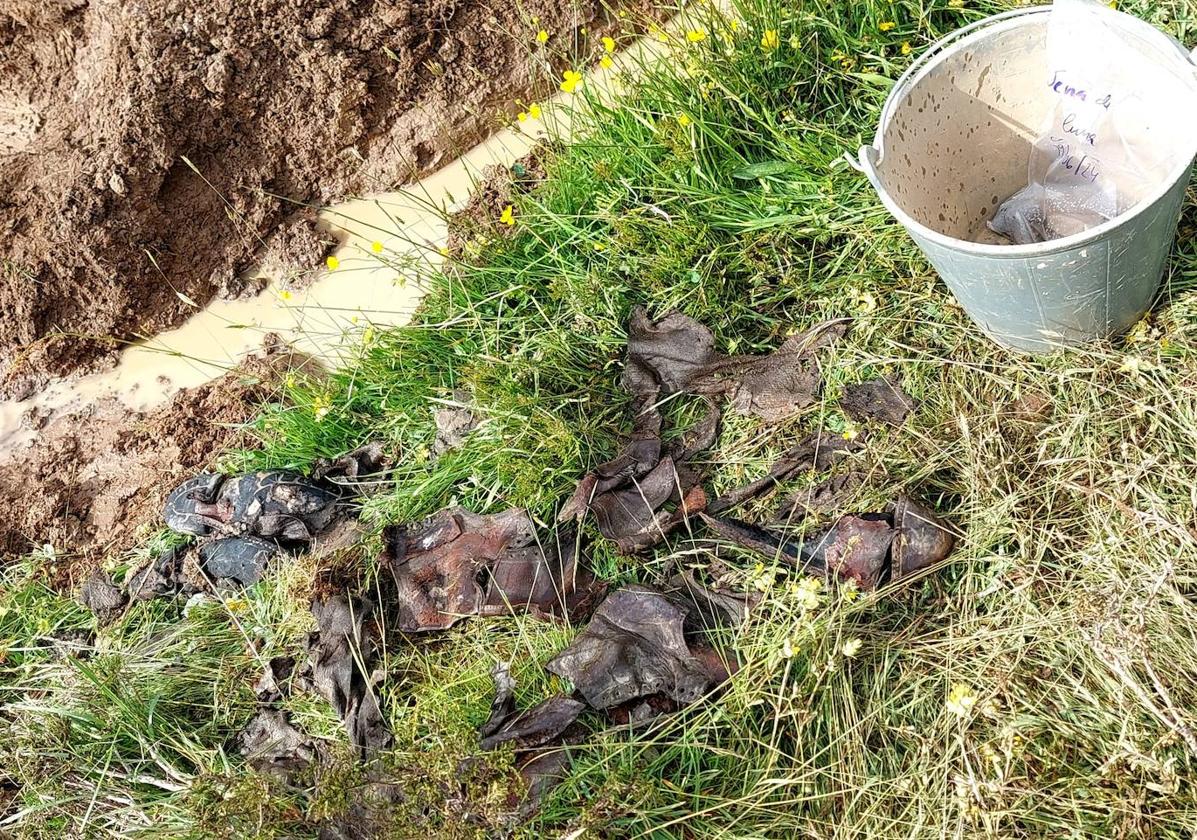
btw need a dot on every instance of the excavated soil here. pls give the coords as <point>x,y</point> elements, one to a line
<point>94,481</point>
<point>155,150</point>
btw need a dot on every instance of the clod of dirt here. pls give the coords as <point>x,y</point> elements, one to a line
<point>453,425</point>
<point>634,647</point>
<point>340,668</point>
<point>369,460</point>
<point>678,354</point>
<point>497,187</point>
<point>104,598</point>
<point>438,567</point>
<point>921,538</point>
<point>127,179</point>
<point>818,451</point>
<point>162,577</point>
<point>270,744</point>
<point>103,470</point>
<point>293,252</point>
<point>881,399</point>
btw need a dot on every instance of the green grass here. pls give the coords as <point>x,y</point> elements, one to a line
<point>1068,611</point>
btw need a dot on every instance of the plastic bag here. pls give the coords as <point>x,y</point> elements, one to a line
<point>1085,167</point>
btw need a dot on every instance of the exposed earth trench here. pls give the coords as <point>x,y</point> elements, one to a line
<point>152,153</point>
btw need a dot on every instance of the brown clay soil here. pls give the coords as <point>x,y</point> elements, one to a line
<point>94,481</point>
<point>161,147</point>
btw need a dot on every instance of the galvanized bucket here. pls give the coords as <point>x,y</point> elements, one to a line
<point>953,143</point>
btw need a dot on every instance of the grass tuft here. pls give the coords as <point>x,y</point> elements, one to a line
<point>1042,684</point>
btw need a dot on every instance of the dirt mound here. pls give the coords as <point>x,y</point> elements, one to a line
<point>152,149</point>
<point>96,478</point>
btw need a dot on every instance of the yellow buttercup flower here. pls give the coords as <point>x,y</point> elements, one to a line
<point>534,111</point>
<point>542,36</point>
<point>284,294</point>
<point>508,215</point>
<point>696,35</point>
<point>769,39</point>
<point>321,405</point>
<point>368,335</point>
<point>332,262</point>
<point>960,700</point>
<point>1141,331</point>
<point>683,120</point>
<point>443,251</point>
<point>864,301</point>
<point>571,80</point>
<point>806,593</point>
<point>906,48</point>
<point>763,578</point>
<point>522,116</point>
<point>1135,365</point>
<point>376,247</point>
<point>886,26</point>
<point>609,43</point>
<point>606,63</point>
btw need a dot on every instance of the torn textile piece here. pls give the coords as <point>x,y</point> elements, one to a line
<point>881,399</point>
<point>677,354</point>
<point>270,744</point>
<point>341,661</point>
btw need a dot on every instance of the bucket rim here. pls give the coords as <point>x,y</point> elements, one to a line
<point>870,157</point>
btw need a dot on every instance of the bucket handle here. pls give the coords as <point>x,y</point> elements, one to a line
<point>870,156</point>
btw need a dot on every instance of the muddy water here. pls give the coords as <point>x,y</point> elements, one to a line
<point>367,287</point>
<point>326,318</point>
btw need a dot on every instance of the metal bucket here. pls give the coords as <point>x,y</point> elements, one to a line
<point>953,143</point>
